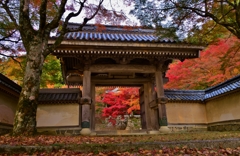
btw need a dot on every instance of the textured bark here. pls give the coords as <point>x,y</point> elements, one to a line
<point>25,117</point>
<point>36,45</point>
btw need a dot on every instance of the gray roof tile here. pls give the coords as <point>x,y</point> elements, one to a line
<point>115,33</point>
<point>222,88</point>
<point>63,95</point>
<point>185,95</point>
<point>196,95</point>
<point>6,82</point>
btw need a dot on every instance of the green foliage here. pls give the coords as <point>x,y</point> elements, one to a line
<point>12,68</point>
<point>209,33</point>
<point>51,75</point>
<point>185,18</point>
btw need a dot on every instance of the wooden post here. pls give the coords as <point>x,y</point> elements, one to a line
<point>146,105</point>
<point>86,102</point>
<point>93,90</point>
<point>153,111</point>
<point>161,100</point>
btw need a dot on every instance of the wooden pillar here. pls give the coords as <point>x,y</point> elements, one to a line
<point>161,100</point>
<point>146,105</point>
<point>86,102</point>
<point>153,111</point>
<point>93,107</point>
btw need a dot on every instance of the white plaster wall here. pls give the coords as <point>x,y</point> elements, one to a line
<point>186,113</point>
<point>50,115</point>
<point>8,105</point>
<point>224,108</point>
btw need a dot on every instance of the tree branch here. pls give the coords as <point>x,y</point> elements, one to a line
<point>230,3</point>
<point>8,11</point>
<point>230,26</point>
<point>24,18</point>
<point>238,14</point>
<point>5,38</point>
<point>55,22</point>
<point>13,58</point>
<point>43,14</point>
<point>64,29</point>
<point>72,14</point>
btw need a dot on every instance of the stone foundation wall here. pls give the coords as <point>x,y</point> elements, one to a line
<point>225,126</point>
<point>5,128</point>
<point>187,127</point>
<point>67,131</point>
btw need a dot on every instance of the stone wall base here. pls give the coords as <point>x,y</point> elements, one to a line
<point>5,128</point>
<point>5,131</point>
<point>60,131</point>
<point>231,125</point>
<point>224,127</point>
<point>186,128</point>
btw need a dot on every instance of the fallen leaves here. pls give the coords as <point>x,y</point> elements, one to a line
<point>125,145</point>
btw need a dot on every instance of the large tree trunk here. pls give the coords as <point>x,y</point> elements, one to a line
<point>25,117</point>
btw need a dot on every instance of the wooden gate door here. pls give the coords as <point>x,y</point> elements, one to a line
<point>142,108</point>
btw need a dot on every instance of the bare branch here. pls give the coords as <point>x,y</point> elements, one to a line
<point>13,58</point>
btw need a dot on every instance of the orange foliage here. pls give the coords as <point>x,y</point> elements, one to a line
<point>219,62</point>
<point>100,27</point>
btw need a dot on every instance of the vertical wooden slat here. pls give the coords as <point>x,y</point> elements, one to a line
<point>142,108</point>
<point>93,108</point>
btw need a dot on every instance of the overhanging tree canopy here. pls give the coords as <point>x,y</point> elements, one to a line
<point>219,62</point>
<point>35,20</point>
<point>186,16</point>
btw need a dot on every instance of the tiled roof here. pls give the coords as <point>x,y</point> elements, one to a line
<point>63,95</point>
<point>109,36</point>
<point>115,33</point>
<point>185,95</point>
<point>222,88</point>
<point>6,83</point>
<point>202,95</point>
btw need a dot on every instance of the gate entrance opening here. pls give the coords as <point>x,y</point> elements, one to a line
<point>117,108</point>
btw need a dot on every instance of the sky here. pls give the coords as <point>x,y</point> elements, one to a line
<point>118,5</point>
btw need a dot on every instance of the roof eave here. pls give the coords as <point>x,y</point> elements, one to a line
<point>165,45</point>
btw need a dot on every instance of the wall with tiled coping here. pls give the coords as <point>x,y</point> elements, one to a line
<point>221,114</point>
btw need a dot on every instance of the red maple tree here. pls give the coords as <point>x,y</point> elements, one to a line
<point>122,101</point>
<point>217,63</point>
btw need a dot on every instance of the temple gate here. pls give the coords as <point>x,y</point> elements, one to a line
<point>118,55</point>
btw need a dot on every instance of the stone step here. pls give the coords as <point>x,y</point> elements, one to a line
<point>121,132</point>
